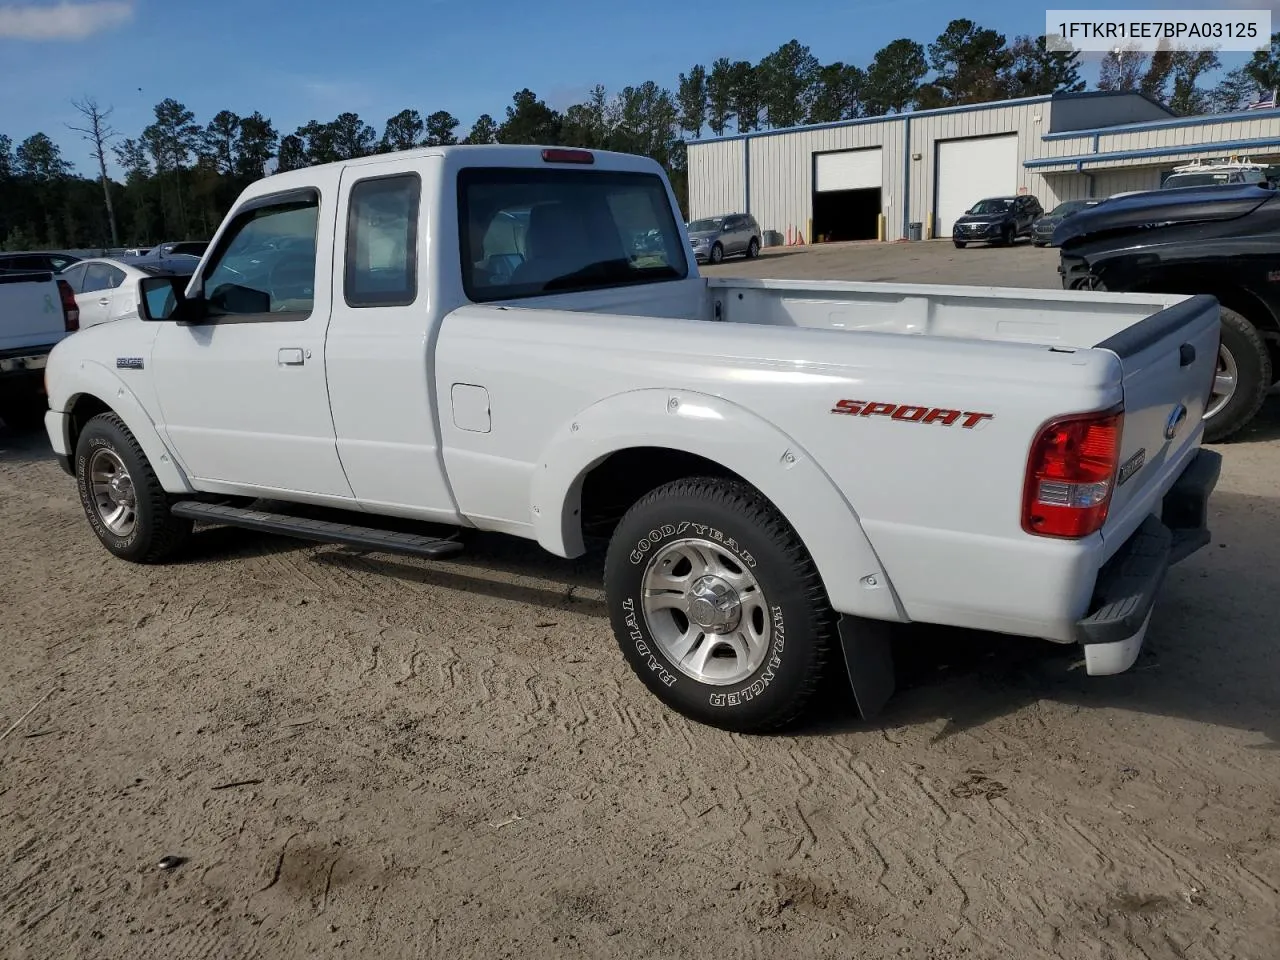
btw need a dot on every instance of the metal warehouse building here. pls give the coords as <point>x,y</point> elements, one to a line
<point>836,181</point>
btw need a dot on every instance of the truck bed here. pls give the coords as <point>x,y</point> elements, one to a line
<point>1048,317</point>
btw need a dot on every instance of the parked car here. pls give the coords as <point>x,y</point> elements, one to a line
<point>716,432</point>
<point>1042,229</point>
<point>174,255</point>
<point>1215,173</point>
<point>714,238</point>
<point>52,260</point>
<point>1218,240</point>
<point>107,289</point>
<point>997,220</point>
<point>37,310</point>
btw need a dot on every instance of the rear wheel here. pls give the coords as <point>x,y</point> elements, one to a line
<point>717,606</point>
<point>1243,378</point>
<point>121,495</point>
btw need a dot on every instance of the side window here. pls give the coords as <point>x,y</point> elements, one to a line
<point>115,277</point>
<point>382,242</point>
<point>98,277</point>
<point>265,265</point>
<point>74,275</point>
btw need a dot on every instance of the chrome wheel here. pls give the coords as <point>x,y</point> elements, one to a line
<point>1224,382</point>
<point>113,493</point>
<point>706,611</point>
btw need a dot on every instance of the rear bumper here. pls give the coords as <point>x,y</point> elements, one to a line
<point>24,360</point>
<point>1127,584</point>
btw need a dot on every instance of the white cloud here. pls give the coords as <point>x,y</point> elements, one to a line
<point>62,21</point>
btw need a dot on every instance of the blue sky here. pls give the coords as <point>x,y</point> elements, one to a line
<point>301,61</point>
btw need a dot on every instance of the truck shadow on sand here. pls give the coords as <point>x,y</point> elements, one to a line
<point>1211,654</point>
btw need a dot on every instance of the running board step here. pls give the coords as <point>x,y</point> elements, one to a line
<point>323,531</point>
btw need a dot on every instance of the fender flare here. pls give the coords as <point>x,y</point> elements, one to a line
<point>92,379</point>
<point>718,430</point>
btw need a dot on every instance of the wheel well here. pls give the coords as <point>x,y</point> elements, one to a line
<point>83,409</point>
<point>622,478</point>
<point>1243,302</point>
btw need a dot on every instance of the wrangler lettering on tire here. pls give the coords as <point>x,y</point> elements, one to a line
<point>717,606</point>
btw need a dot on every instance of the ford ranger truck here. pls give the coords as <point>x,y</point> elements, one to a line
<point>468,337</point>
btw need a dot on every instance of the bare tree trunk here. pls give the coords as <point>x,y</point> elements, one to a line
<point>99,133</point>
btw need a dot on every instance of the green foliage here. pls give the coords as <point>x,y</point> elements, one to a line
<point>179,177</point>
<point>893,79</point>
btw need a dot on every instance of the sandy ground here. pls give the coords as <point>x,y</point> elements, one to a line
<point>360,756</point>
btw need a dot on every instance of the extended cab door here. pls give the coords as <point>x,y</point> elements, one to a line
<point>379,349</point>
<point>242,390</point>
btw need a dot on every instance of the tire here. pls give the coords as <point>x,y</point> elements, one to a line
<point>753,249</point>
<point>1244,350</point>
<point>788,632</point>
<point>24,413</point>
<point>107,448</point>
<point>1008,238</point>
<point>959,244</point>
<point>717,253</point>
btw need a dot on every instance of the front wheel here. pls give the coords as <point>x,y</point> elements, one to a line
<point>717,605</point>
<point>121,495</point>
<point>753,249</point>
<point>1242,380</point>
<point>959,244</point>
<point>717,253</point>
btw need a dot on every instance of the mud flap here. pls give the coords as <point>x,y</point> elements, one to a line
<point>868,659</point>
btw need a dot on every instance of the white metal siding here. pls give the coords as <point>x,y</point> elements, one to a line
<point>969,170</point>
<point>716,183</point>
<point>849,170</point>
<point>1107,182</point>
<point>782,171</point>
<point>1028,121</point>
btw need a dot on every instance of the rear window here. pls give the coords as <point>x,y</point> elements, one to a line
<point>526,232</point>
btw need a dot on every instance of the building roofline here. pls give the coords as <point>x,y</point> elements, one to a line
<point>1097,94</point>
<point>1173,122</point>
<point>1080,160</point>
<point>887,118</point>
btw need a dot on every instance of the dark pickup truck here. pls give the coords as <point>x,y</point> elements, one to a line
<point>1219,240</point>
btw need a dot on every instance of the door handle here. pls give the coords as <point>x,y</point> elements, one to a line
<point>104,302</point>
<point>289,356</point>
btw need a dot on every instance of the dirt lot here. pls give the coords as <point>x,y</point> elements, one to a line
<point>370,757</point>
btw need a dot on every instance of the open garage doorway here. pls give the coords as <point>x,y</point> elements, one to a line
<point>846,195</point>
<point>846,215</point>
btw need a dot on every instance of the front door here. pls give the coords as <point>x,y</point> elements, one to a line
<point>243,393</point>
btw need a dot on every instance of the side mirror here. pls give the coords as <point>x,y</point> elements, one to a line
<point>159,297</point>
<point>724,228</point>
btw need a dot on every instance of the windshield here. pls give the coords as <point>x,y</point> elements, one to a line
<point>1198,179</point>
<point>991,206</point>
<point>710,225</point>
<point>1071,206</point>
<point>533,231</point>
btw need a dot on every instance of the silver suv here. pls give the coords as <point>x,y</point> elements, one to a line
<point>715,238</point>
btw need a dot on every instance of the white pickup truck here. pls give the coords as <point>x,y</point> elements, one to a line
<point>490,337</point>
<point>36,311</point>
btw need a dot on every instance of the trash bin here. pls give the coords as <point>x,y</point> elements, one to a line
<point>915,231</point>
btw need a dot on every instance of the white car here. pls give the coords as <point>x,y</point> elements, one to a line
<point>780,467</point>
<point>107,289</point>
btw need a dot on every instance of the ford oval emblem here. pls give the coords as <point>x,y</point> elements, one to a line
<point>1174,423</point>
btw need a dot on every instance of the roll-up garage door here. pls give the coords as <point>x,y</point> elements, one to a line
<point>968,171</point>
<point>848,170</point>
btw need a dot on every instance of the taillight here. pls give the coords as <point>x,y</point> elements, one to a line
<point>563,155</point>
<point>70,311</point>
<point>1071,474</point>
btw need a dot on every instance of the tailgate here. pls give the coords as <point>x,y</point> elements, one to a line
<point>1168,362</point>
<point>30,311</point>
